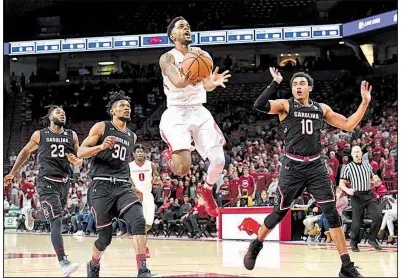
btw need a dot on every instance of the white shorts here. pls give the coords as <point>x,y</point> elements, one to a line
<point>179,125</point>
<point>148,205</point>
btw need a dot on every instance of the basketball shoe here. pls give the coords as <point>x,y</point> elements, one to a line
<point>210,204</point>
<point>29,220</point>
<point>68,268</point>
<point>349,271</point>
<point>252,254</point>
<point>92,270</point>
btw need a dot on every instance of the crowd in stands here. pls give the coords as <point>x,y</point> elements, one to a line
<point>255,146</point>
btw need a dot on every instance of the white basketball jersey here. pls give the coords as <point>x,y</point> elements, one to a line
<point>142,176</point>
<point>190,95</point>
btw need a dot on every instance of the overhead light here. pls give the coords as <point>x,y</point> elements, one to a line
<point>282,54</point>
<point>14,58</point>
<point>67,80</point>
<point>106,63</point>
<point>296,54</point>
<point>341,42</point>
<point>289,54</point>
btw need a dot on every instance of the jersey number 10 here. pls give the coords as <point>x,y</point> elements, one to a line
<point>307,126</point>
<point>119,152</point>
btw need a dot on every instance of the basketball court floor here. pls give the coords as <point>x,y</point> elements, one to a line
<point>31,255</point>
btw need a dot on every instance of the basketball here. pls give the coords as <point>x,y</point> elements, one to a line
<point>197,62</point>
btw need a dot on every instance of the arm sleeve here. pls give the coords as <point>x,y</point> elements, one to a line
<point>262,104</point>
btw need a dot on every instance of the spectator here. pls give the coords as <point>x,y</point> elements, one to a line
<point>234,191</point>
<point>378,189</point>
<point>264,199</point>
<point>333,162</point>
<point>245,200</point>
<point>224,192</point>
<point>186,206</point>
<point>12,158</point>
<point>247,182</point>
<point>180,190</point>
<point>387,165</point>
<point>191,219</point>
<point>374,164</point>
<point>261,181</point>
<point>377,152</point>
<point>345,160</point>
<point>273,187</point>
<point>388,220</point>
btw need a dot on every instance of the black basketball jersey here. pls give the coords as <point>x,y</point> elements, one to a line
<point>52,151</point>
<point>302,128</point>
<point>114,162</point>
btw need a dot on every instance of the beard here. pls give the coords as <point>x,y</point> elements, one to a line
<point>124,119</point>
<point>58,122</point>
<point>187,42</point>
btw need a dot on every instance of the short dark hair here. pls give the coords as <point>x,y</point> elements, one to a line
<point>115,97</point>
<point>171,26</point>
<point>304,75</point>
<point>139,146</point>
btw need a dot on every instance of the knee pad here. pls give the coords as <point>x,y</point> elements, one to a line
<point>274,218</point>
<point>135,219</point>
<point>104,240</point>
<point>330,211</point>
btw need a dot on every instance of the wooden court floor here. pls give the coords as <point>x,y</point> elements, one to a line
<point>31,255</point>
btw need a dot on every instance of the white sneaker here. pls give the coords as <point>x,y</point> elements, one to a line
<point>29,220</point>
<point>79,233</point>
<point>68,268</point>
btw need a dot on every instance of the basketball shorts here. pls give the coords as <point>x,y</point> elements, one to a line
<point>148,205</point>
<point>108,200</point>
<point>53,196</point>
<point>296,177</point>
<point>180,125</point>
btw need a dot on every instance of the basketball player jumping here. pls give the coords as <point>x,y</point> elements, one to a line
<point>143,172</point>
<point>110,144</point>
<point>186,118</point>
<point>57,147</point>
<point>302,166</point>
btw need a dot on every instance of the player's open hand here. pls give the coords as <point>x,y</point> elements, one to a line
<point>220,79</point>
<point>365,91</point>
<point>276,74</point>
<point>8,178</point>
<point>108,142</point>
<point>73,159</point>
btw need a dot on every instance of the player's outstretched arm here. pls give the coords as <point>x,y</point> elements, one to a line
<point>264,103</point>
<point>23,155</point>
<point>351,122</point>
<point>174,74</point>
<point>89,146</point>
<point>216,80</point>
<point>71,157</point>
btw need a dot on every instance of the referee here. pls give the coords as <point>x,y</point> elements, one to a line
<point>360,176</point>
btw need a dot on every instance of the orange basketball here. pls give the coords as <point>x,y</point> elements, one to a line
<point>197,62</point>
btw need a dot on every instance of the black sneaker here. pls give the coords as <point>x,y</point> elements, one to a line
<point>349,271</point>
<point>252,254</point>
<point>145,273</point>
<point>197,235</point>
<point>375,244</point>
<point>354,246</point>
<point>92,270</point>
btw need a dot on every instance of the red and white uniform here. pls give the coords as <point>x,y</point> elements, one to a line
<point>142,177</point>
<point>186,118</point>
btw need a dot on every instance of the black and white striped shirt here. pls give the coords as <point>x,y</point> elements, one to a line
<point>358,174</point>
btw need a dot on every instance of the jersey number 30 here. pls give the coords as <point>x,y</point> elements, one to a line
<point>307,126</point>
<point>119,152</point>
<point>57,151</point>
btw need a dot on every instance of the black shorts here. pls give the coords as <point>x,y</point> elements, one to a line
<point>53,197</point>
<point>108,200</point>
<point>296,177</point>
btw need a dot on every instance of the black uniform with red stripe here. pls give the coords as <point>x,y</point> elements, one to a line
<point>54,170</point>
<point>110,192</point>
<point>302,167</point>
